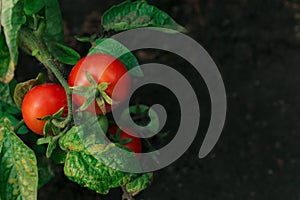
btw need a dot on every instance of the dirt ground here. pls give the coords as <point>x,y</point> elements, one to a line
<point>256,45</point>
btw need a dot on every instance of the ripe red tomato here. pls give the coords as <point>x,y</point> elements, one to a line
<point>103,68</point>
<point>135,144</point>
<point>40,101</point>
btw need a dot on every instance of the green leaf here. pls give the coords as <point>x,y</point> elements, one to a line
<point>12,85</point>
<point>18,166</point>
<point>88,139</point>
<point>54,22</point>
<point>88,172</point>
<point>90,39</point>
<point>71,140</point>
<point>33,6</point>
<point>22,88</point>
<point>10,111</point>
<point>65,54</point>
<point>44,170</point>
<point>12,17</point>
<point>7,108</point>
<point>103,122</point>
<point>22,130</point>
<point>116,49</point>
<point>54,32</point>
<point>143,111</point>
<point>5,94</point>
<point>6,66</point>
<point>130,15</point>
<point>58,156</point>
<point>139,184</point>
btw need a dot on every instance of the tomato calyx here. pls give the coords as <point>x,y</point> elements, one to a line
<point>93,92</point>
<point>117,138</point>
<point>51,121</point>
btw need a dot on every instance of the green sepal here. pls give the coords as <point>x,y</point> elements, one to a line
<point>50,148</point>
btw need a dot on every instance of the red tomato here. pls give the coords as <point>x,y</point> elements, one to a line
<point>103,68</point>
<point>135,144</point>
<point>40,101</point>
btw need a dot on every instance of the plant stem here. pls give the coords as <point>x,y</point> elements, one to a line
<point>126,195</point>
<point>30,42</point>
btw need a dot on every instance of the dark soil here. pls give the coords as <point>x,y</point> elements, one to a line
<point>256,46</point>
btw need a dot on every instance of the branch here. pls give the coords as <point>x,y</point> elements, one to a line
<point>126,195</point>
<point>30,41</point>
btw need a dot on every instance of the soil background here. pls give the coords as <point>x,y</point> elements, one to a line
<point>256,46</point>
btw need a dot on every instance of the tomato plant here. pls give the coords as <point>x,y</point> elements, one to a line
<point>104,69</point>
<point>41,101</point>
<point>36,27</point>
<point>125,137</point>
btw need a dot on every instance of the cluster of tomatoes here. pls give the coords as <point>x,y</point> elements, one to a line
<point>47,99</point>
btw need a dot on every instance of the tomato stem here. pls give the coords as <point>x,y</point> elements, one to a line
<point>126,195</point>
<point>30,41</point>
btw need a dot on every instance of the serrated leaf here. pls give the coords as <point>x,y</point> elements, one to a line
<point>65,54</point>
<point>12,17</point>
<point>116,49</point>
<point>33,6</point>
<point>6,67</point>
<point>137,14</point>
<point>18,166</point>
<point>23,87</point>
<point>71,140</point>
<point>139,184</point>
<point>88,172</point>
<point>88,139</point>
